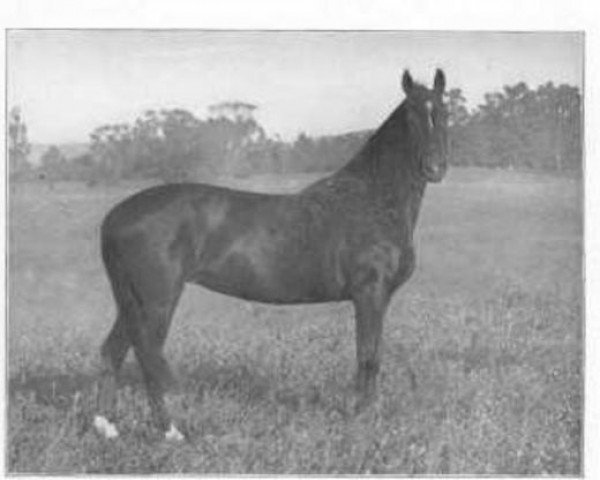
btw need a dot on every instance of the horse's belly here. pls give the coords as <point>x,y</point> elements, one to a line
<point>268,280</point>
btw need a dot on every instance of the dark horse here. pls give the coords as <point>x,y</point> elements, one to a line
<point>348,236</point>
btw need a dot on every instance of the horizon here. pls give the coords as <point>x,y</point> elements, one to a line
<point>318,83</point>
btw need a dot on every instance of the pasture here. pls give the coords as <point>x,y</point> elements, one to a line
<point>482,362</point>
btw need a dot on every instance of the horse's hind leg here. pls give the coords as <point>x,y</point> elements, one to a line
<point>148,339</point>
<point>113,352</point>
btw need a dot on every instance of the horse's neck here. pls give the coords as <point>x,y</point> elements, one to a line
<point>385,167</point>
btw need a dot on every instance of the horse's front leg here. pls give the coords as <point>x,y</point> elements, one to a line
<point>370,304</point>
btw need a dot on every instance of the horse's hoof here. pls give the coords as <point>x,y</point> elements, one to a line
<point>104,427</point>
<point>174,435</point>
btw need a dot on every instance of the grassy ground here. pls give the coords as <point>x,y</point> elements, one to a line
<point>482,365</point>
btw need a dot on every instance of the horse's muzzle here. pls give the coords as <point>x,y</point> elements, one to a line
<point>435,172</point>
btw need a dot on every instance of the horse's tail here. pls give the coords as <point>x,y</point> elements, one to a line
<point>129,303</point>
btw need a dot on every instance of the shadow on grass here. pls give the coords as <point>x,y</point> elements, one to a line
<point>234,381</point>
<point>252,385</point>
<point>52,390</point>
<point>59,390</point>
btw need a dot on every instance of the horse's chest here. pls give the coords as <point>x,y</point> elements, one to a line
<point>381,258</point>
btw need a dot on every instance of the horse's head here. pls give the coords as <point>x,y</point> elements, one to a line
<point>427,119</point>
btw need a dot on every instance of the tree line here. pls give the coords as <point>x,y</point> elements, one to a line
<point>516,128</point>
<point>519,128</point>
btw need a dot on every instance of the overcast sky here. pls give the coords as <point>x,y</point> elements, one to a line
<point>69,82</point>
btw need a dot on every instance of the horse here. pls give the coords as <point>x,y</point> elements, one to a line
<point>346,237</point>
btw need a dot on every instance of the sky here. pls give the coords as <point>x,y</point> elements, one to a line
<point>67,82</point>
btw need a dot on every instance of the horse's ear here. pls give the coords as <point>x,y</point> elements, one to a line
<point>407,82</point>
<point>439,82</point>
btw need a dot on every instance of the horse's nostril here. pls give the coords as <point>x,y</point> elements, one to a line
<point>435,171</point>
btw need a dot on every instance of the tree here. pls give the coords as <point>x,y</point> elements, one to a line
<point>111,146</point>
<point>458,118</point>
<point>562,111</point>
<point>53,165</point>
<point>519,128</point>
<point>458,115</point>
<point>182,135</point>
<point>18,146</point>
<point>234,111</point>
<point>231,133</point>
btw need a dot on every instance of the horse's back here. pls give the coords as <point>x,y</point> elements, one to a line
<point>163,198</point>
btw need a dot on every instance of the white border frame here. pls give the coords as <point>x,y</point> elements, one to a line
<point>506,15</point>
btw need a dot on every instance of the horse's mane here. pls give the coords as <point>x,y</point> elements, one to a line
<point>390,143</point>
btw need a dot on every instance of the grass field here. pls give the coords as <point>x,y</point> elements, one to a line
<point>490,326</point>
